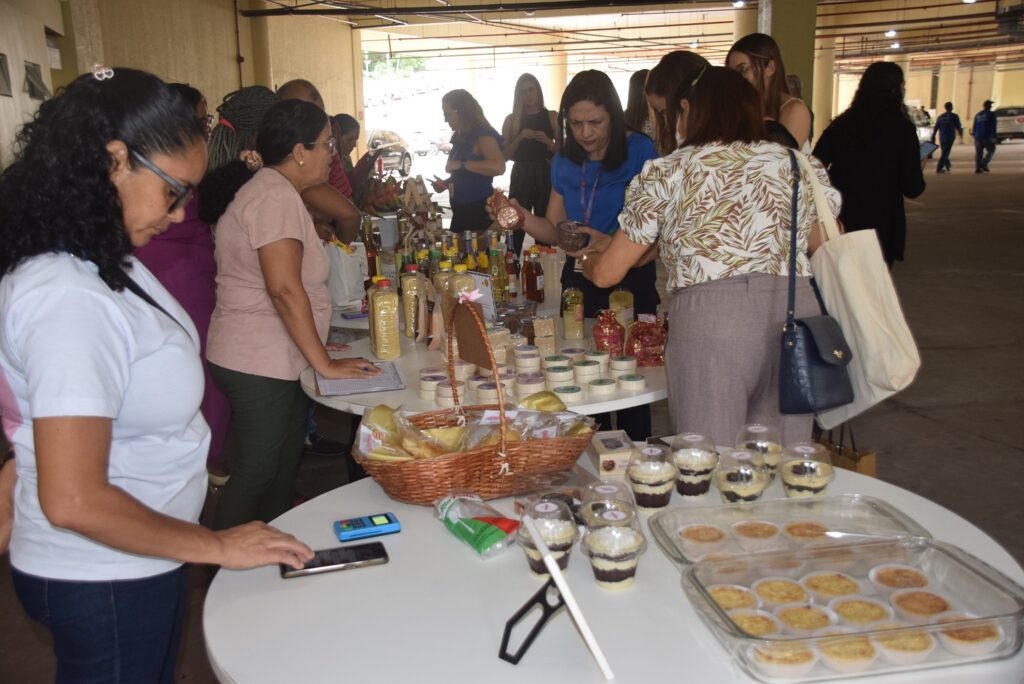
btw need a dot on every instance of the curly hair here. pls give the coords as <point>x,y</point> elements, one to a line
<point>57,195</point>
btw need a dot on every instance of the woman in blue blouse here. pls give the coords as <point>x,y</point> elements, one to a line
<point>476,158</point>
<point>597,158</point>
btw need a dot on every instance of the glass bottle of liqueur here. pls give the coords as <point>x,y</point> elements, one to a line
<point>470,261</point>
<point>511,268</point>
<point>435,261</point>
<point>533,277</point>
<point>385,342</point>
<point>496,269</point>
<point>468,245</point>
<point>572,313</point>
<point>483,261</point>
<point>423,262</point>
<point>369,307</point>
<point>621,302</point>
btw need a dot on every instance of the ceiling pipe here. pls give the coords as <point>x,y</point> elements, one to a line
<point>534,6</point>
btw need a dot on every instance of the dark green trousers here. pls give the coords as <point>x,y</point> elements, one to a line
<point>266,435</point>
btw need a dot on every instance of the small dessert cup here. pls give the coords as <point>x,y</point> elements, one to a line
<point>652,476</point>
<point>964,634</point>
<point>699,539</point>
<point>860,611</point>
<point>804,619</point>
<point>918,606</point>
<point>844,651</point>
<point>733,596</point>
<point>614,552</point>
<point>889,577</point>
<point>764,440</point>
<point>825,586</point>
<point>805,532</point>
<point>740,477</point>
<point>784,660</point>
<point>901,644</point>
<point>607,490</point>
<point>557,528</point>
<point>570,237</point>
<point>778,591</point>
<point>756,535</point>
<point>608,513</point>
<point>756,623</point>
<point>695,458</point>
<point>806,470</point>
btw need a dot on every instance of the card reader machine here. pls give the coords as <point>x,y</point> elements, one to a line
<point>366,526</point>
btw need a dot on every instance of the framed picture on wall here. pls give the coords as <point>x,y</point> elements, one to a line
<point>5,77</point>
<point>34,84</point>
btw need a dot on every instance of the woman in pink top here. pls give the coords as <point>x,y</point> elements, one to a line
<point>273,312</point>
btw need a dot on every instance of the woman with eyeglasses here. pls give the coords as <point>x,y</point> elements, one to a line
<point>182,260</point>
<point>719,208</point>
<point>273,312</point>
<point>101,382</point>
<point>757,58</point>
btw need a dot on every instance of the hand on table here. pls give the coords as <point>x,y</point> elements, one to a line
<point>256,543</point>
<point>351,368</point>
<point>598,241</point>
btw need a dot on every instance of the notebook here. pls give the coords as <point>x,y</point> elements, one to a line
<point>389,379</point>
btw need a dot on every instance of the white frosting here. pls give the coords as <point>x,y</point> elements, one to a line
<point>649,472</point>
<point>614,541</point>
<point>695,459</point>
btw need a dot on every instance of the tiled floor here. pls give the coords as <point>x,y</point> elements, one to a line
<point>956,436</point>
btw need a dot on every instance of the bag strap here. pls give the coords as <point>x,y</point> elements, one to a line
<point>791,302</point>
<point>130,284</point>
<point>826,220</point>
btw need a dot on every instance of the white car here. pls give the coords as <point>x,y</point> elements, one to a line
<point>1009,123</point>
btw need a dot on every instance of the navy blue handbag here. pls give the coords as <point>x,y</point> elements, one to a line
<point>812,368</point>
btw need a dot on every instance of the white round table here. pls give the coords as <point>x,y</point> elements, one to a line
<point>339,321</point>
<point>416,356</point>
<point>436,612</point>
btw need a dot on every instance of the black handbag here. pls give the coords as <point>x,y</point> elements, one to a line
<point>812,365</point>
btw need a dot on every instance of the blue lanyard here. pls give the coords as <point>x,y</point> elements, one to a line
<point>583,186</point>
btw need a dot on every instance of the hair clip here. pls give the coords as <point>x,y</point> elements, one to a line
<point>253,160</point>
<point>101,72</point>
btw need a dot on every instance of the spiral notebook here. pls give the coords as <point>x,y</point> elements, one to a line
<point>389,379</point>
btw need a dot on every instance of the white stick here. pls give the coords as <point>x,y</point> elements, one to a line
<point>570,600</point>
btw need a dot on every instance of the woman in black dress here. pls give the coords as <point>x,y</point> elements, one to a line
<point>529,132</point>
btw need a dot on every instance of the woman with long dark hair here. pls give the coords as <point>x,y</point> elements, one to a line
<point>101,381</point>
<point>719,207</point>
<point>598,156</point>
<point>529,132</point>
<point>758,59</point>
<point>638,115</point>
<point>661,86</point>
<point>873,157</point>
<point>476,158</point>
<point>273,312</point>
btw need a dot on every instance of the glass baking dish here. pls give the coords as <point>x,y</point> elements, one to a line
<point>982,619</point>
<point>847,518</point>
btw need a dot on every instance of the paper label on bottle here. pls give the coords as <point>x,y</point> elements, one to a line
<point>540,282</point>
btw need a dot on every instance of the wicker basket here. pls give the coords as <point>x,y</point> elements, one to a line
<point>490,472</point>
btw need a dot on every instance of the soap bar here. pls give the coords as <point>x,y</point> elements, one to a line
<point>545,345</point>
<point>543,326</point>
<point>499,337</point>
<point>569,394</point>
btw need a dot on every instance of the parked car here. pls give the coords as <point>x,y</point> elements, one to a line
<point>426,143</point>
<point>396,154</point>
<point>1009,123</point>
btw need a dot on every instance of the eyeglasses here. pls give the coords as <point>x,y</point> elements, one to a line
<point>183,193</point>
<point>330,142</point>
<point>206,121</point>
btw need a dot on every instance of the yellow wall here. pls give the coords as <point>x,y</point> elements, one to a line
<point>919,88</point>
<point>22,38</point>
<point>1008,87</point>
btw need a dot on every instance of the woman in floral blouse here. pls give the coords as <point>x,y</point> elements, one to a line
<point>720,206</point>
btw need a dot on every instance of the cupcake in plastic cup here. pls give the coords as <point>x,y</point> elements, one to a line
<point>763,440</point>
<point>806,469</point>
<point>614,552</point>
<point>557,528</point>
<point>695,458</point>
<point>604,512</point>
<point>740,477</point>
<point>652,476</point>
<point>606,490</point>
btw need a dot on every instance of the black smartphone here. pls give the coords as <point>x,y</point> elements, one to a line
<point>341,558</point>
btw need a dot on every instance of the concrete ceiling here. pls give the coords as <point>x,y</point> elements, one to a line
<point>472,33</point>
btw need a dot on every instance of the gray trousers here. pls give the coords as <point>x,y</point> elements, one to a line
<point>722,356</point>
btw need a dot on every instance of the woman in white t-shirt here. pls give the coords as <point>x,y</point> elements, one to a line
<point>101,381</point>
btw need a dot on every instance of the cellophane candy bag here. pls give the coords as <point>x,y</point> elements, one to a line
<point>476,524</point>
<point>609,335</point>
<point>647,341</point>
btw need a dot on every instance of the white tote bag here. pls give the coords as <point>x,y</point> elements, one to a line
<point>348,271</point>
<point>857,289</point>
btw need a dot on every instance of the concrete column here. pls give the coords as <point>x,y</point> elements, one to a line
<point>744,23</point>
<point>824,80</point>
<point>947,84</point>
<point>358,97</point>
<point>792,25</point>
<point>553,79</point>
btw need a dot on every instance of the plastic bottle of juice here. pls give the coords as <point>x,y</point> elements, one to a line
<point>411,293</point>
<point>572,313</point>
<point>621,302</point>
<point>369,305</point>
<point>386,342</point>
<point>441,277</point>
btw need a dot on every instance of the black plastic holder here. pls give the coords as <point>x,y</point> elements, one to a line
<point>548,610</point>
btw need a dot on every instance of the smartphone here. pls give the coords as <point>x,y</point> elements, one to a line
<point>341,558</point>
<point>353,315</point>
<point>366,526</point>
<point>927,148</point>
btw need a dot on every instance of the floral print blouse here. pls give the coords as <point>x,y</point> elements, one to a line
<point>722,211</point>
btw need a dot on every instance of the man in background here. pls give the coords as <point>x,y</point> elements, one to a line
<point>984,132</point>
<point>947,127</point>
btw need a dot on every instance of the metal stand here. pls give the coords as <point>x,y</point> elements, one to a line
<point>548,610</point>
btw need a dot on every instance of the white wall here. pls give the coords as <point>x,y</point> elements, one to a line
<point>22,38</point>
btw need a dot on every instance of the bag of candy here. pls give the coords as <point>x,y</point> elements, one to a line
<point>647,341</point>
<point>476,524</point>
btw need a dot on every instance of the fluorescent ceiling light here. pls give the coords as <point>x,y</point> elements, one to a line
<point>895,46</point>
<point>694,45</point>
<point>739,4</point>
<point>890,34</point>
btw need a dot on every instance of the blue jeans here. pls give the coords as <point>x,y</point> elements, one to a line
<point>125,631</point>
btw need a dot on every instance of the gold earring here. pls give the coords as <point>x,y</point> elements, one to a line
<point>301,162</point>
